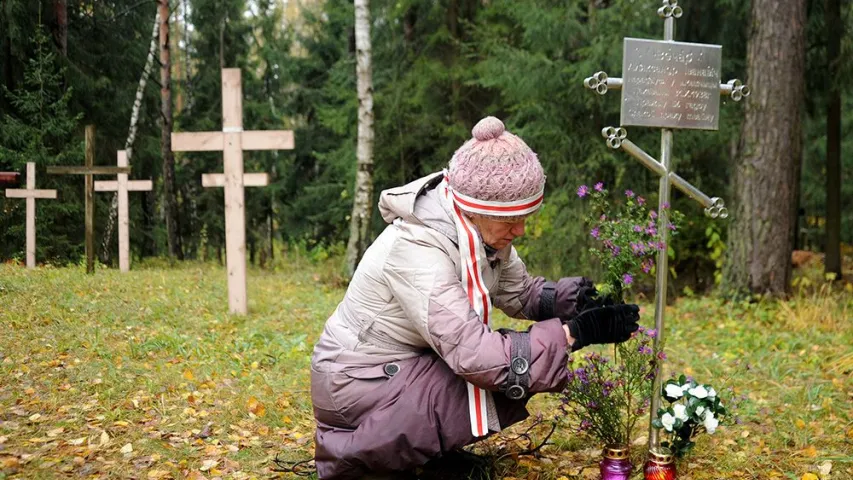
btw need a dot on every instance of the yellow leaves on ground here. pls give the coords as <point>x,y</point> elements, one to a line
<point>255,407</point>
<point>809,476</point>
<point>188,375</point>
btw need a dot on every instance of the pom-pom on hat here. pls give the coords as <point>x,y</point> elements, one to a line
<point>495,166</point>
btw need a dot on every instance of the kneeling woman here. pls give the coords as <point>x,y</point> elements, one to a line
<point>407,367</point>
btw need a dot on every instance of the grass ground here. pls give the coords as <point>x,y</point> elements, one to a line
<point>145,375</point>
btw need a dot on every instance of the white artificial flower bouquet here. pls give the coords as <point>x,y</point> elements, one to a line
<point>693,408</point>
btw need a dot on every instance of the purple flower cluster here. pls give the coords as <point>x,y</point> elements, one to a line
<point>628,233</point>
<point>606,397</point>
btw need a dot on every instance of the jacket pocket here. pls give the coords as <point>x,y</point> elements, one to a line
<point>367,373</point>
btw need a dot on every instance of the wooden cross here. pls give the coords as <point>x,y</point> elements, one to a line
<point>31,194</point>
<point>122,186</point>
<point>232,140</point>
<point>89,170</point>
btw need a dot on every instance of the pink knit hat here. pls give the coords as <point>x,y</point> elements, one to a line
<point>495,165</point>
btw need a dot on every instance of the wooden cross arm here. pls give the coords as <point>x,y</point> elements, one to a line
<point>249,180</point>
<point>25,193</point>
<point>132,186</point>
<point>215,141</point>
<point>87,170</point>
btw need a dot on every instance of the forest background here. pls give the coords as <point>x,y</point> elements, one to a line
<point>438,67</point>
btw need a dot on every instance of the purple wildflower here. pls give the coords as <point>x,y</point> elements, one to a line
<point>665,205</point>
<point>595,233</point>
<point>645,349</point>
<point>652,231</point>
<point>616,250</point>
<point>629,193</point>
<point>583,190</point>
<point>641,200</point>
<point>662,355</point>
<point>599,186</point>
<point>627,279</point>
<point>652,333</point>
<point>653,214</point>
<point>647,265</point>
<point>585,425</point>
<point>638,228</point>
<point>672,227</point>
<point>603,217</point>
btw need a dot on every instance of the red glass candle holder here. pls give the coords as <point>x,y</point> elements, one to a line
<point>660,465</point>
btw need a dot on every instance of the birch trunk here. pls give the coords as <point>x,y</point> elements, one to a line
<point>766,177</point>
<point>170,203</point>
<point>362,208</point>
<point>131,133</point>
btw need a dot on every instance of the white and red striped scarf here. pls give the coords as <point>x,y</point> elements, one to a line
<point>473,257</point>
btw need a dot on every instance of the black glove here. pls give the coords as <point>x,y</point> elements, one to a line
<point>588,297</point>
<point>608,324</point>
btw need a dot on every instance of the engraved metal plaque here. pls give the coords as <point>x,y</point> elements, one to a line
<point>671,84</point>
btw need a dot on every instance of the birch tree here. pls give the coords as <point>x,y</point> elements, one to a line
<point>132,130</point>
<point>362,208</point>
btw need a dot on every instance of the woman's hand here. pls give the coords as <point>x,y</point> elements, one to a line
<point>610,324</point>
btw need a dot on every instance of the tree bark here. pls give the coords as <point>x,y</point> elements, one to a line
<point>170,202</point>
<point>766,176</point>
<point>362,208</point>
<point>833,140</point>
<point>60,10</point>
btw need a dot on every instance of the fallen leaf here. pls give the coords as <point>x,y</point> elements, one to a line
<point>208,464</point>
<point>105,438</point>
<point>55,432</point>
<point>800,423</point>
<point>255,407</point>
<point>194,475</point>
<point>127,449</point>
<point>809,476</point>
<point>77,441</point>
<point>188,374</point>
<point>825,468</point>
<point>157,474</point>
<point>35,417</point>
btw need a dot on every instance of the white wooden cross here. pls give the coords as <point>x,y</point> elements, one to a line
<point>122,186</point>
<point>232,140</point>
<point>31,194</point>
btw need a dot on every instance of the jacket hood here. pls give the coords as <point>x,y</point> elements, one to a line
<point>418,202</point>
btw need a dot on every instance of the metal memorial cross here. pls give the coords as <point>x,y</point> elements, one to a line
<point>231,141</point>
<point>89,170</point>
<point>670,85</point>
<point>31,194</point>
<point>122,185</point>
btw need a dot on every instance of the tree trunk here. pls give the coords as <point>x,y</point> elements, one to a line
<point>362,208</point>
<point>766,176</point>
<point>60,10</point>
<point>131,132</point>
<point>833,140</point>
<point>170,202</point>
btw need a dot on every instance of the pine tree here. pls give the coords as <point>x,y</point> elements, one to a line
<point>38,130</point>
